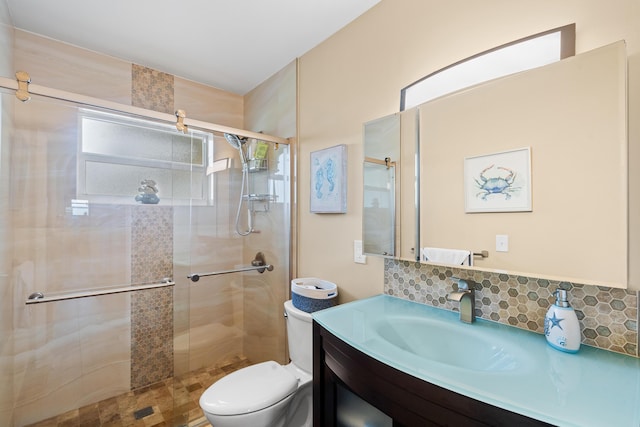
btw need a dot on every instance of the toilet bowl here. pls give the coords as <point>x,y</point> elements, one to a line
<point>268,394</point>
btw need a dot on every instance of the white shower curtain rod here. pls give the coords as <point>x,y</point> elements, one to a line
<point>89,101</point>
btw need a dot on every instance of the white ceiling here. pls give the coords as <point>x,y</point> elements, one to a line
<point>229,44</point>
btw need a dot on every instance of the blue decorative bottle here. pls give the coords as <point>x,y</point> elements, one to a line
<point>561,326</point>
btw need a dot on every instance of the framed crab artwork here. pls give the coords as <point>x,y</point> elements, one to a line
<point>498,182</point>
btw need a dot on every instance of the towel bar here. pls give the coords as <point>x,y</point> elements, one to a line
<point>40,297</point>
<point>259,264</point>
<point>483,254</point>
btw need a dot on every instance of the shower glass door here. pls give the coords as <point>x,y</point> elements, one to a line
<point>224,322</point>
<point>87,208</point>
<point>99,203</point>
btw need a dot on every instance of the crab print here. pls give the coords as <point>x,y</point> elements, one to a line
<point>500,182</point>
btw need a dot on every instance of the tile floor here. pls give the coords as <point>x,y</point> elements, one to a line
<point>132,408</point>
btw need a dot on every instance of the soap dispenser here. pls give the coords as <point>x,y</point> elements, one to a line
<point>561,325</point>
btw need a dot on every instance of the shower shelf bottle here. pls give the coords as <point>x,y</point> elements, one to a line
<point>561,326</point>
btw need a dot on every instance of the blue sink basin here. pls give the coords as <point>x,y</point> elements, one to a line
<point>462,346</point>
<point>507,367</point>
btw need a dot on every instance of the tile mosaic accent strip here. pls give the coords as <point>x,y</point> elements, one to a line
<point>152,89</point>
<point>608,316</point>
<point>151,336</point>
<point>152,310</point>
<point>151,243</point>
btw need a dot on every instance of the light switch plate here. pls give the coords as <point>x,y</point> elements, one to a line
<point>502,243</point>
<point>358,257</point>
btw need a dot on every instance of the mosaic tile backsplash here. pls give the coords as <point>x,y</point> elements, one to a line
<point>608,316</point>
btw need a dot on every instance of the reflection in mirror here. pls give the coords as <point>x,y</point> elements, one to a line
<point>378,233</point>
<point>572,115</point>
<point>380,204</point>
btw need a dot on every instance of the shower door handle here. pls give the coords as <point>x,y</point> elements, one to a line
<point>258,264</point>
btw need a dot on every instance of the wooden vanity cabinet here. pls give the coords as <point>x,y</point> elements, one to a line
<point>409,401</point>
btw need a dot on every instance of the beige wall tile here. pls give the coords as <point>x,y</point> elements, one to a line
<point>271,107</point>
<point>105,342</point>
<point>215,302</point>
<point>47,346</point>
<point>6,294</point>
<point>66,67</point>
<point>227,344</point>
<point>264,321</point>
<point>68,343</point>
<point>208,104</point>
<point>6,50</point>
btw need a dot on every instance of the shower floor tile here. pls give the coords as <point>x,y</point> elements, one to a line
<point>179,394</point>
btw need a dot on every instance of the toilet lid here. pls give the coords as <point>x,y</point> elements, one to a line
<point>249,389</point>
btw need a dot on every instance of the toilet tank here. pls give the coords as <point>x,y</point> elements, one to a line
<point>299,336</point>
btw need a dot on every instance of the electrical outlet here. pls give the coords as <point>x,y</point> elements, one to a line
<point>358,257</point>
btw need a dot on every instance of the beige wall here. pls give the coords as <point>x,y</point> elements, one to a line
<point>357,74</point>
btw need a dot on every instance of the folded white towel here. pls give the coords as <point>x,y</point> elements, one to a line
<point>447,256</point>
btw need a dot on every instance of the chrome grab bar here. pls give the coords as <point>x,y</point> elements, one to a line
<point>40,297</point>
<point>258,264</point>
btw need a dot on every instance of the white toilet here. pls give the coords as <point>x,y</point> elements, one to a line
<point>268,394</point>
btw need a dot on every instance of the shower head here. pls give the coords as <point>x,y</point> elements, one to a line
<point>237,142</point>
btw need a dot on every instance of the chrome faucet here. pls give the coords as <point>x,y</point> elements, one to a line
<point>467,299</point>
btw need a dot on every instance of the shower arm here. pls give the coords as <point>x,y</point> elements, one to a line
<point>258,264</point>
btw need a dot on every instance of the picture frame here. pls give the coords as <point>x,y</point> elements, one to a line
<point>498,182</point>
<point>329,180</point>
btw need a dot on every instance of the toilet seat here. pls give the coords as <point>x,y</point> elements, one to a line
<point>249,389</point>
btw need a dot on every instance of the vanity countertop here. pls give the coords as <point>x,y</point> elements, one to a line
<point>590,388</point>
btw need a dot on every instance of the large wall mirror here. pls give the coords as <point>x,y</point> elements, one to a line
<point>569,118</point>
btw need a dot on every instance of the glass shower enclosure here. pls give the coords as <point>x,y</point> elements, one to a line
<point>103,216</point>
